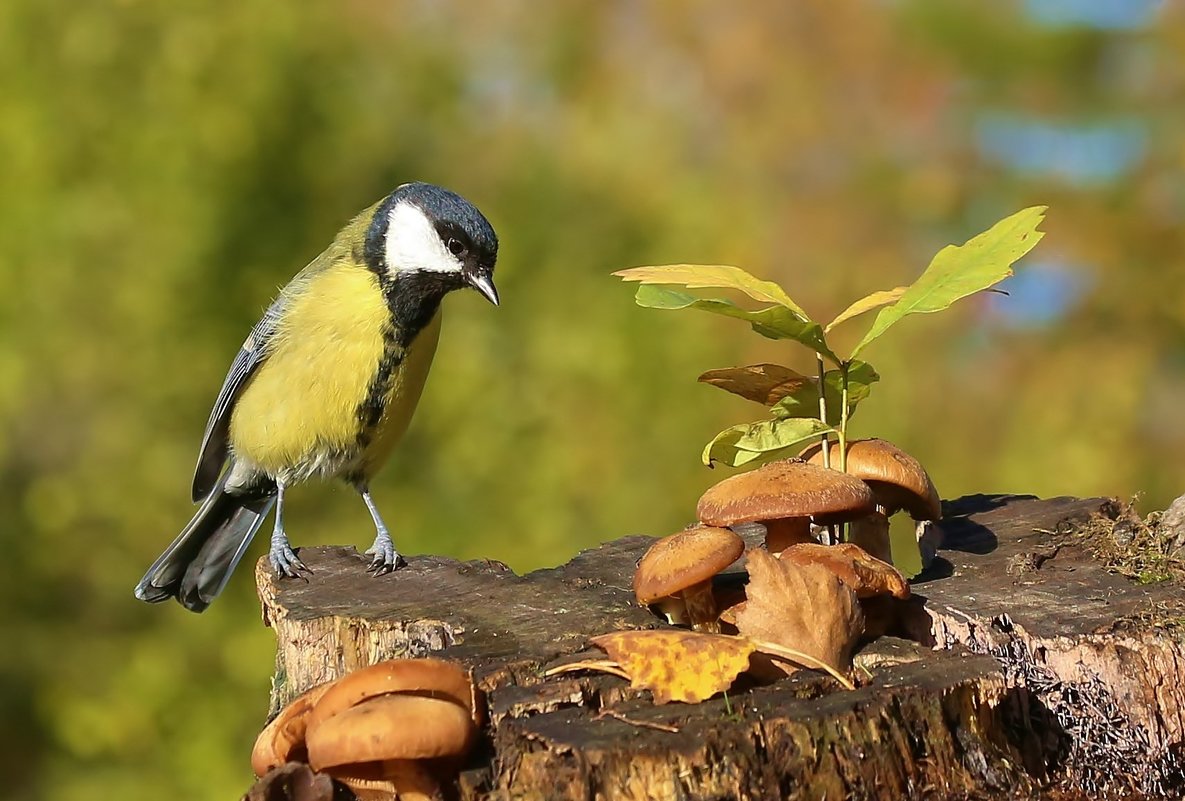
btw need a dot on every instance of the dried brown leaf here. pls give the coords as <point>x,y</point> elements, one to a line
<point>802,607</point>
<point>763,383</point>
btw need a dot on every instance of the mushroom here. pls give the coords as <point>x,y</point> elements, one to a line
<point>898,482</point>
<point>784,496</point>
<point>382,739</point>
<point>880,587</point>
<point>434,678</point>
<point>283,739</point>
<point>676,574</point>
<point>865,574</point>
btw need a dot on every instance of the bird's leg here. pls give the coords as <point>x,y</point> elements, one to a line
<point>281,555</point>
<point>384,556</point>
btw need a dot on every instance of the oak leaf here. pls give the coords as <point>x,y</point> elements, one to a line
<point>764,383</point>
<point>801,607</point>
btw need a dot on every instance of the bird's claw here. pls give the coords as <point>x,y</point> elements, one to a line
<point>285,561</point>
<point>385,558</point>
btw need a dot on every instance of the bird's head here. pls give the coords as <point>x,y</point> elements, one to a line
<point>421,228</point>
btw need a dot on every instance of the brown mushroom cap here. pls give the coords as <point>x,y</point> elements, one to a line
<point>391,727</point>
<point>865,574</point>
<point>786,488</point>
<point>283,739</point>
<point>897,479</point>
<point>683,560</point>
<point>436,678</point>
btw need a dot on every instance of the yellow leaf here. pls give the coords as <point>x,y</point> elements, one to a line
<point>713,276</point>
<point>764,383</point>
<point>866,304</point>
<point>682,666</point>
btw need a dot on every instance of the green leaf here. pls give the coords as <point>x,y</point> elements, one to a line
<point>765,439</point>
<point>774,322</point>
<point>714,276</point>
<point>866,304</point>
<point>763,383</point>
<point>959,271</point>
<point>804,401</point>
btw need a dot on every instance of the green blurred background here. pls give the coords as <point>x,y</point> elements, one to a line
<point>166,166</point>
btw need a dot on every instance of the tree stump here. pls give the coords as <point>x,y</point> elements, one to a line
<point>1008,679</point>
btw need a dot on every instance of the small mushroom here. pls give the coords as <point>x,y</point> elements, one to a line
<point>784,496</point>
<point>880,587</point>
<point>283,739</point>
<point>383,739</point>
<point>676,574</point>
<point>898,482</point>
<point>435,678</point>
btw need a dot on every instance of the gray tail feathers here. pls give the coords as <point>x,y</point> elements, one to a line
<point>196,566</point>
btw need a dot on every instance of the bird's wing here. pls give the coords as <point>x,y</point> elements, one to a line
<point>346,246</point>
<point>215,442</point>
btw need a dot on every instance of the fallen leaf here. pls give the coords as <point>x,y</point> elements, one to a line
<point>682,666</point>
<point>600,665</point>
<point>805,608</point>
<point>854,566</point>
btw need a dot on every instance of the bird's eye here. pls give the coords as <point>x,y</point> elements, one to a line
<point>456,247</point>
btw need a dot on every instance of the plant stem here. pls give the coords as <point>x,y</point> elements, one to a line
<point>823,408</point>
<point>832,536</point>
<point>845,531</point>
<point>843,416</point>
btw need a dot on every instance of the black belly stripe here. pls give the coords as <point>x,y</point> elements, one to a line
<point>370,411</point>
<point>413,298</point>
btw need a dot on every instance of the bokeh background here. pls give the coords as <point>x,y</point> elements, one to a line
<point>166,166</point>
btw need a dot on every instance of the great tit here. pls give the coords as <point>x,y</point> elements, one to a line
<point>326,383</point>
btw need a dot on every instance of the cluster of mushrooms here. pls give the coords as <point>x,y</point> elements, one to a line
<point>402,727</point>
<point>396,727</point>
<point>794,500</point>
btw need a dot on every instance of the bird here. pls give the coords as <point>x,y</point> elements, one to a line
<point>325,384</point>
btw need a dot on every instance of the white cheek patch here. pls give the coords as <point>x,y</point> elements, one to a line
<point>413,244</point>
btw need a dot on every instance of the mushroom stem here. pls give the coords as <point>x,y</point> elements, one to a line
<point>871,533</point>
<point>929,537</point>
<point>701,608</point>
<point>673,609</point>
<point>368,789</point>
<point>407,779</point>
<point>413,781</point>
<point>781,534</point>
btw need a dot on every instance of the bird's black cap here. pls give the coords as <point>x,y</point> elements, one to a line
<point>453,216</point>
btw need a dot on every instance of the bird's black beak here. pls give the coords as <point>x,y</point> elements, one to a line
<point>484,284</point>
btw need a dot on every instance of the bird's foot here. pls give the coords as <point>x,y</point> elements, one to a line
<point>384,556</point>
<point>284,560</point>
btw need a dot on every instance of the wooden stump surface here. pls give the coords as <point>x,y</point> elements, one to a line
<point>1024,666</point>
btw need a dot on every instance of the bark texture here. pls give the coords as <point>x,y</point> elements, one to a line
<point>1001,680</point>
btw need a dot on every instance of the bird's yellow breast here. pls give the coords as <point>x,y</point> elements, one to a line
<point>299,414</point>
